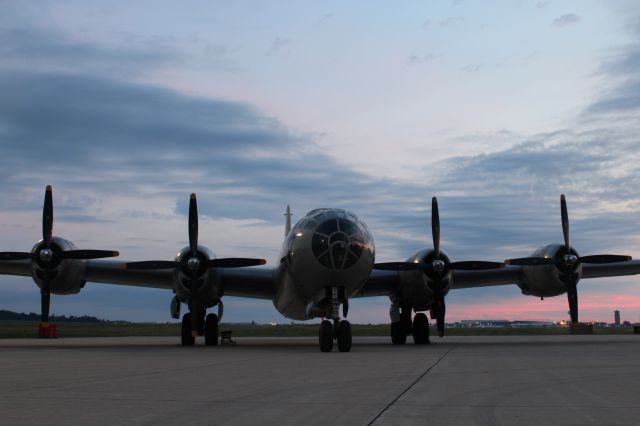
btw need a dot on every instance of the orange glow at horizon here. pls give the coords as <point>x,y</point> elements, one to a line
<point>593,307</point>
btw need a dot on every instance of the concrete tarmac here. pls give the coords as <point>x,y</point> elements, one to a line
<point>510,380</point>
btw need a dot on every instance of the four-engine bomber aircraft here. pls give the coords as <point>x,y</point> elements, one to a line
<point>327,258</point>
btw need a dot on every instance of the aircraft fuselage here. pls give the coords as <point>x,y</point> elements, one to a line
<point>328,248</point>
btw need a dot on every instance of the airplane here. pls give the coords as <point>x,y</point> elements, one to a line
<point>327,258</point>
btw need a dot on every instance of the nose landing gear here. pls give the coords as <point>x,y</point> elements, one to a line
<point>340,330</point>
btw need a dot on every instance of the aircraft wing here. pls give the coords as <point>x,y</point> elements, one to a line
<point>102,271</point>
<point>511,274</point>
<point>631,267</point>
<point>257,283</point>
<point>16,267</point>
<point>242,282</point>
<point>492,277</point>
<point>111,272</point>
<point>379,283</point>
<point>383,283</point>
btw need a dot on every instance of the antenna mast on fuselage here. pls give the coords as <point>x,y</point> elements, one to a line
<point>287,223</point>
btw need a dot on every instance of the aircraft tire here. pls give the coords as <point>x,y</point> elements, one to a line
<point>211,330</point>
<point>420,329</point>
<point>398,334</point>
<point>344,336</point>
<point>187,338</point>
<point>326,336</point>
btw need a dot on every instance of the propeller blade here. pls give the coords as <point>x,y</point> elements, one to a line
<point>88,254</point>
<point>150,264</point>
<point>15,255</point>
<point>234,262</point>
<point>440,307</point>
<point>441,310</point>
<point>604,258</point>
<point>572,296</point>
<point>435,227</point>
<point>45,301</point>
<point>45,297</point>
<point>475,265</point>
<point>193,225</point>
<point>565,222</point>
<point>402,266</point>
<point>47,216</point>
<point>531,261</point>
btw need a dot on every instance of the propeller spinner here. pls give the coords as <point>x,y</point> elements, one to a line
<point>568,262</point>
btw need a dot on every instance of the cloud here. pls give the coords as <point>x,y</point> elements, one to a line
<point>416,58</point>
<point>325,18</point>
<point>565,20</point>
<point>279,45</point>
<point>33,48</point>
<point>621,99</point>
<point>471,68</point>
<point>450,20</point>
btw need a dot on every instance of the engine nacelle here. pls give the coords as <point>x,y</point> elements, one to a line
<point>544,281</point>
<point>208,287</point>
<point>416,286</point>
<point>65,276</point>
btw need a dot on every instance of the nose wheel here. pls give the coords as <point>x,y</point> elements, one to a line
<point>340,331</point>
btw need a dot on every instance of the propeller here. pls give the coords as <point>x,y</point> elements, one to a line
<point>47,256</point>
<point>193,265</point>
<point>568,263</point>
<point>438,269</point>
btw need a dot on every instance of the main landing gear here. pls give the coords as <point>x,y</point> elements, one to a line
<point>340,330</point>
<point>403,325</point>
<point>210,330</point>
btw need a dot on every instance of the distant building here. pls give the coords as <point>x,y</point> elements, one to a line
<point>616,318</point>
<point>486,323</point>
<point>504,323</point>
<point>532,324</point>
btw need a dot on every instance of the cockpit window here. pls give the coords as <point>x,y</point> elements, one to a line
<point>337,243</point>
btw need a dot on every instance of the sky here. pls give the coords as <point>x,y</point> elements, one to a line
<point>494,107</point>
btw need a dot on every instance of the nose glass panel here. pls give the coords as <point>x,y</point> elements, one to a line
<point>337,243</point>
